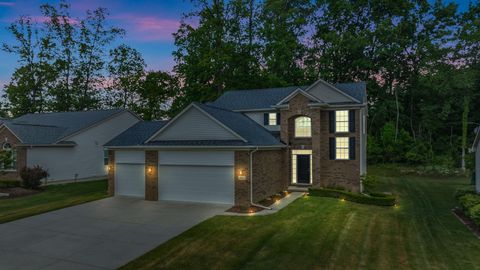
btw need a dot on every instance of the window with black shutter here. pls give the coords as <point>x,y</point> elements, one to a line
<point>351,150</point>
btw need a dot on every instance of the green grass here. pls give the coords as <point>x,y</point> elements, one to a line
<point>325,233</point>
<point>54,197</point>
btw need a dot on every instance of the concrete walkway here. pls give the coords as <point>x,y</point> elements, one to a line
<point>284,202</point>
<point>104,234</point>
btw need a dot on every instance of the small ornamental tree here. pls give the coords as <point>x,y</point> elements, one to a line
<point>31,177</point>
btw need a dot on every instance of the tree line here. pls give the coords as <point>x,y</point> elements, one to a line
<point>421,62</point>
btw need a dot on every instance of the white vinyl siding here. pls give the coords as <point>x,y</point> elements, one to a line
<point>130,157</point>
<point>258,117</point>
<point>195,125</point>
<point>325,92</point>
<point>303,127</point>
<point>86,159</point>
<point>342,148</point>
<point>341,121</point>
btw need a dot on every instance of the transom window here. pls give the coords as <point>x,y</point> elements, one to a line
<point>342,148</point>
<point>341,120</point>
<point>272,119</point>
<point>303,127</point>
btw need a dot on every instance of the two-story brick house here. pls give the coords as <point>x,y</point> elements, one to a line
<point>246,145</point>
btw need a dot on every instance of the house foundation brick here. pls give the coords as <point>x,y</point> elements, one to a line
<point>151,175</point>
<point>111,172</point>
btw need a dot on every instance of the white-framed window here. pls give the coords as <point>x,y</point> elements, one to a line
<point>342,146</point>
<point>11,153</point>
<point>272,119</point>
<point>341,121</point>
<point>303,127</point>
<point>105,157</point>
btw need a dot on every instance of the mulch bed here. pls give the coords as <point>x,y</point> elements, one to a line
<point>474,228</point>
<point>265,202</point>
<point>16,192</point>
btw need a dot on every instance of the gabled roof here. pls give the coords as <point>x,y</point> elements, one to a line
<point>300,92</point>
<point>253,99</point>
<point>249,132</point>
<point>53,128</point>
<point>137,134</point>
<point>264,99</point>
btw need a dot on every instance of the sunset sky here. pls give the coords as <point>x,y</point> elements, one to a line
<point>149,25</point>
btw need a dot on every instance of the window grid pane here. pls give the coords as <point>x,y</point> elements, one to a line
<point>342,150</point>
<point>303,127</point>
<point>272,119</point>
<point>341,121</point>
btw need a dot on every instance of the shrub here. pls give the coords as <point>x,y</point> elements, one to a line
<point>474,214</point>
<point>387,200</point>
<point>468,201</point>
<point>369,181</point>
<point>463,191</point>
<point>9,183</point>
<point>31,177</point>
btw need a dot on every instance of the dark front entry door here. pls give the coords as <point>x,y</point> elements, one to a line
<point>303,169</point>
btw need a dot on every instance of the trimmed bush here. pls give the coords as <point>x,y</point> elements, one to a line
<point>31,177</point>
<point>468,201</point>
<point>463,191</point>
<point>386,200</point>
<point>9,183</point>
<point>474,213</point>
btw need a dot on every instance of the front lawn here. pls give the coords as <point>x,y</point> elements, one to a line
<point>54,197</point>
<point>326,233</point>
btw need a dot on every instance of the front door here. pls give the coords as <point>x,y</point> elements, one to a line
<point>303,169</point>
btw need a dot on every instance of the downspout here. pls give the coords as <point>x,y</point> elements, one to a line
<point>251,182</point>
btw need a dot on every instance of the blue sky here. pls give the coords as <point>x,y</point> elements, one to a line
<point>148,23</point>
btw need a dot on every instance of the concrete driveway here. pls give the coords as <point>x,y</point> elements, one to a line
<point>104,234</point>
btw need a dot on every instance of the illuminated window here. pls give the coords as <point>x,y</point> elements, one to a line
<point>272,119</point>
<point>342,148</point>
<point>341,121</point>
<point>303,127</point>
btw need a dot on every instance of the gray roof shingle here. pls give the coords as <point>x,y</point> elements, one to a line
<point>137,134</point>
<point>49,128</point>
<point>255,99</point>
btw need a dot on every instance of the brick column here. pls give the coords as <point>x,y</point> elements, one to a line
<point>242,187</point>
<point>111,172</point>
<point>151,175</point>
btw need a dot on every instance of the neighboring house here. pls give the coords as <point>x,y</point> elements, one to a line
<point>279,137</point>
<point>69,145</point>
<point>476,149</point>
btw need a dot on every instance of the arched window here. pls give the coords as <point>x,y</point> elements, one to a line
<point>303,127</point>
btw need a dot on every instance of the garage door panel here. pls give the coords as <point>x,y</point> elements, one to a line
<point>213,184</point>
<point>210,158</point>
<point>130,180</point>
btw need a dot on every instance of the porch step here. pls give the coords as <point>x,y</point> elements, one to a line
<point>298,188</point>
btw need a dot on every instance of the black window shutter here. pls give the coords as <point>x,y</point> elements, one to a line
<point>278,119</point>
<point>351,150</point>
<point>332,148</point>
<point>351,120</point>
<point>331,121</point>
<point>265,119</point>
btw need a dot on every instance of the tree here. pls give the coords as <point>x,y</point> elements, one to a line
<point>126,69</point>
<point>156,94</point>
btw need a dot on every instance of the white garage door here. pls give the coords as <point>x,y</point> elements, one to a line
<point>130,173</point>
<point>196,176</point>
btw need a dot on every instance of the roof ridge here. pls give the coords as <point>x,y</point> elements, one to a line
<point>49,113</point>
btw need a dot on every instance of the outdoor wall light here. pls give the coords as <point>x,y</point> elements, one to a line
<point>109,168</point>
<point>242,174</point>
<point>150,169</point>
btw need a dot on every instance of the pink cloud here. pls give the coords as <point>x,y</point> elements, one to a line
<point>7,4</point>
<point>148,28</point>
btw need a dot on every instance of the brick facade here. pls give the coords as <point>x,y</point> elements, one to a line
<point>269,175</point>
<point>151,175</point>
<point>111,172</point>
<point>7,136</point>
<point>326,172</point>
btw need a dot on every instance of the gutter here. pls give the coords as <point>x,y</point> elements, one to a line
<point>251,182</point>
